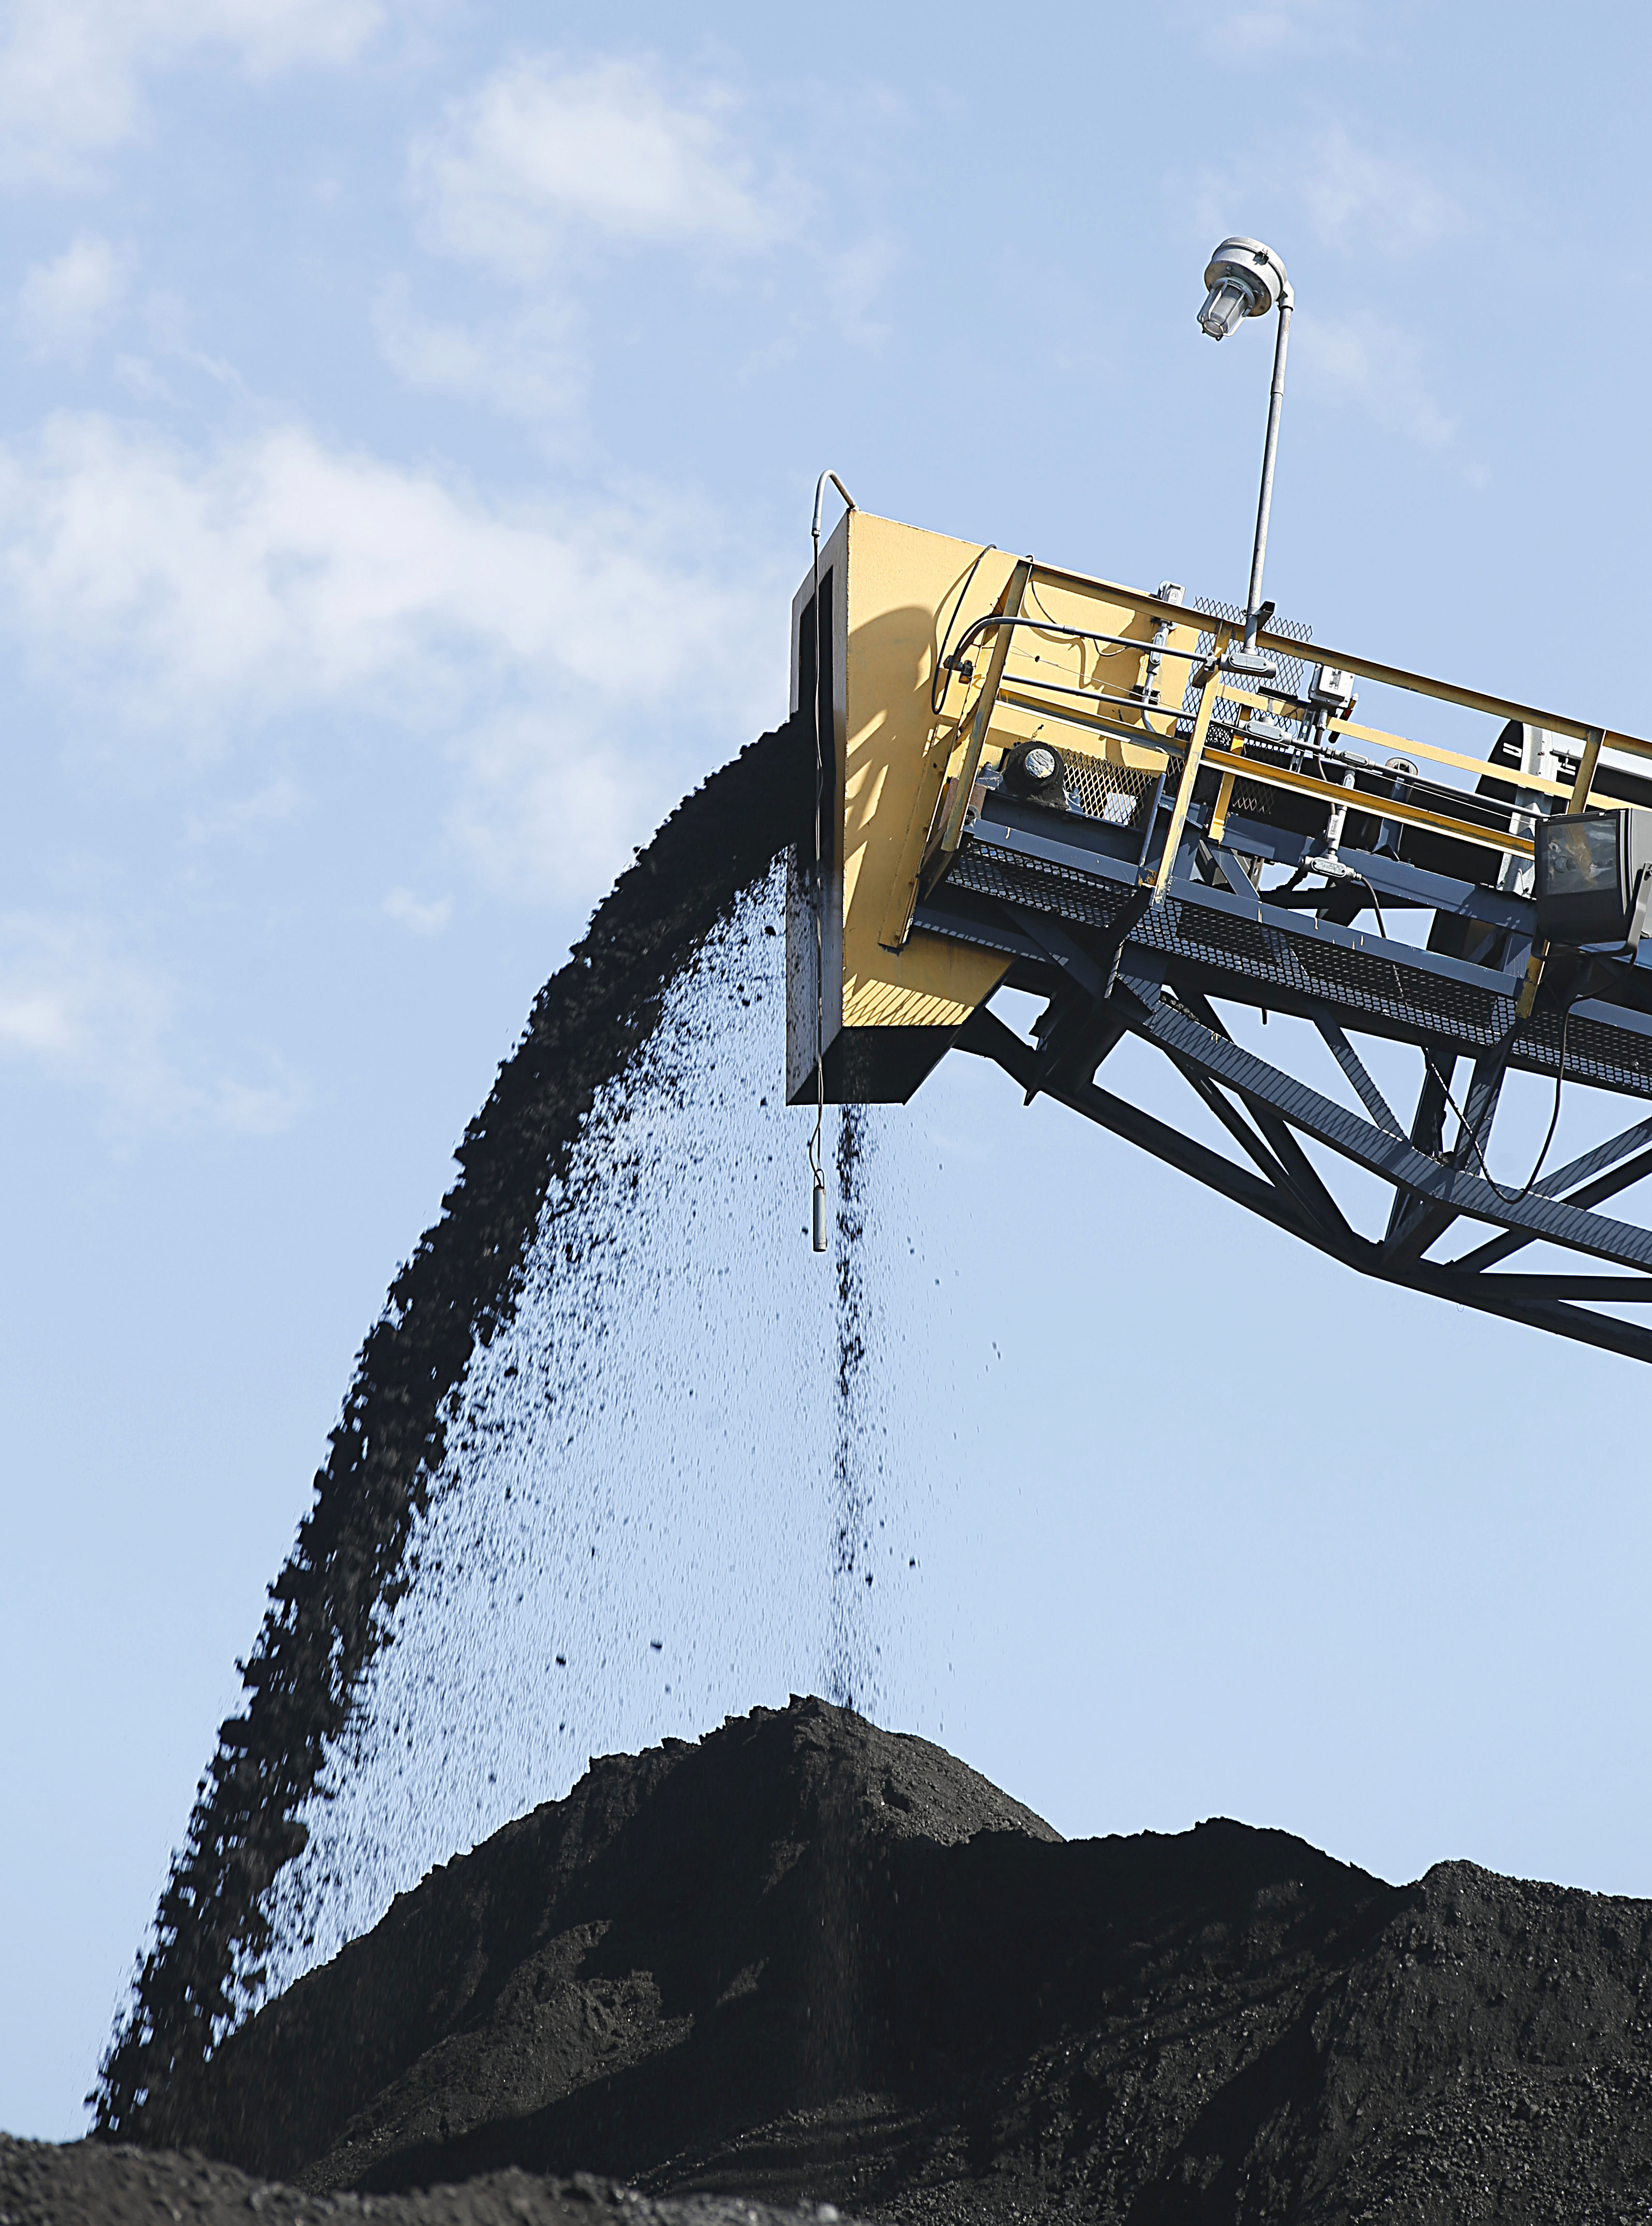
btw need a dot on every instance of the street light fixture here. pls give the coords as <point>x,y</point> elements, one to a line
<point>1245,279</point>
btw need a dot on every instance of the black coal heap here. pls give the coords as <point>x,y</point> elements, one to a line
<point>807,1959</point>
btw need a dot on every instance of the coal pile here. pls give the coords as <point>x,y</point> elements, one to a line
<point>103,2184</point>
<point>807,1961</point>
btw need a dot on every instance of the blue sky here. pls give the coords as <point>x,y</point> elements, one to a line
<point>407,423</point>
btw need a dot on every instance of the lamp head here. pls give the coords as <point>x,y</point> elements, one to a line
<point>1591,873</point>
<point>1244,279</point>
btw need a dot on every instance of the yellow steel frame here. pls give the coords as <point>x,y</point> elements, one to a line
<point>1381,807</point>
<point>1395,676</point>
<point>1539,783</point>
<point>1160,880</point>
<point>1080,651</point>
<point>1593,738</point>
<point>1230,764</point>
<point>1577,791</point>
<point>961,779</point>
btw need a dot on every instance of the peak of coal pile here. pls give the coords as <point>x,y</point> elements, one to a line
<point>691,1912</point>
<point>808,1960</point>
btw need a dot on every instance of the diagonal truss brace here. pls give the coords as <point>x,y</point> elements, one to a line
<point>1395,1157</point>
<point>1287,1191</point>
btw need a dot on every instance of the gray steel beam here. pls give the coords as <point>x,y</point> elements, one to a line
<point>987,1036</point>
<point>1354,1067</point>
<point>1608,1186</point>
<point>1430,1221</point>
<point>1392,1157</point>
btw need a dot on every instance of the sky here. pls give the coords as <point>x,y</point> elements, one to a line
<point>409,413</point>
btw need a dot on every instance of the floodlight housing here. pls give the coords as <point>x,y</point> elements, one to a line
<point>1244,279</point>
<point>1594,877</point>
<point>1034,771</point>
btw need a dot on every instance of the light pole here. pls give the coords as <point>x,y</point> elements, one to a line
<point>1246,279</point>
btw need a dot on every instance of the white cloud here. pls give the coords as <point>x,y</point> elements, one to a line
<point>274,804</point>
<point>1355,197</point>
<point>1270,28</point>
<point>279,571</point>
<point>64,305</point>
<point>1377,367</point>
<point>72,71</point>
<point>78,1004</point>
<point>402,906</point>
<point>545,157</point>
<point>196,598</point>
<point>523,366</point>
<point>550,173</point>
<point>539,785</point>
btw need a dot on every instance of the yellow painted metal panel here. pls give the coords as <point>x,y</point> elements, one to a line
<point>903,583</point>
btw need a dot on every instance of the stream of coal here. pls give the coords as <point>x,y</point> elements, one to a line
<point>508,1563</point>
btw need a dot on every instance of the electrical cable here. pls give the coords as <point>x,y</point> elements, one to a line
<point>1047,625</point>
<point>940,679</point>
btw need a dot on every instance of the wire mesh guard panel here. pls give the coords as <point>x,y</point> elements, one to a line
<point>1119,796</point>
<point>1040,885</point>
<point>1291,671</point>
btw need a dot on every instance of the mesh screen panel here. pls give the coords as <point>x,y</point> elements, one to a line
<point>1113,794</point>
<point>1293,676</point>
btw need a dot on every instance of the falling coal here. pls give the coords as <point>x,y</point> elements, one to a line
<point>850,1678</point>
<point>230,1913</point>
<point>911,1997</point>
<point>639,1522</point>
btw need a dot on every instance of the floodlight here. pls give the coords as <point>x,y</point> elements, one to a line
<point>1034,771</point>
<point>1227,300</point>
<point>1245,279</point>
<point>1594,877</point>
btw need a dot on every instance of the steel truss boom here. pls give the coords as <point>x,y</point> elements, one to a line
<point>1151,816</point>
<point>1287,1190</point>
